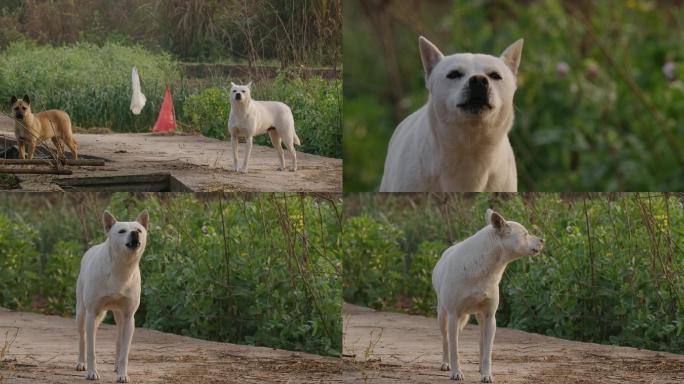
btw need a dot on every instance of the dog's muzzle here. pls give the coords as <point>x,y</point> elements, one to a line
<point>477,95</point>
<point>133,240</point>
<point>238,96</point>
<point>19,115</point>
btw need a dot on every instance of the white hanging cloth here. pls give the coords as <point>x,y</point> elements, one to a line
<point>138,100</point>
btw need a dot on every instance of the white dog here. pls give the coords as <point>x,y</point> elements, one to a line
<point>249,118</point>
<point>466,279</point>
<point>458,141</point>
<point>110,280</point>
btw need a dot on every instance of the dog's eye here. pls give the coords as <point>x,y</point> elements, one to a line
<point>122,231</point>
<point>455,74</point>
<point>494,75</point>
<point>24,108</point>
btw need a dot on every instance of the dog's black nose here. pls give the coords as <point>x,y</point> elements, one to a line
<point>478,82</point>
<point>133,240</point>
<point>238,97</point>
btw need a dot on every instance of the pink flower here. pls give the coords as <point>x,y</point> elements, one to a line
<point>562,68</point>
<point>670,70</point>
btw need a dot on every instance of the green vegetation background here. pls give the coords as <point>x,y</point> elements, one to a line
<point>258,269</point>
<point>77,55</point>
<point>611,272</point>
<point>595,109</point>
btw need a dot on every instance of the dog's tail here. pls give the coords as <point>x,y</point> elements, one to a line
<point>296,139</point>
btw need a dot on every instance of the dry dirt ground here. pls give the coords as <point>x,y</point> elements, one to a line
<point>46,350</point>
<point>381,347</point>
<point>198,163</point>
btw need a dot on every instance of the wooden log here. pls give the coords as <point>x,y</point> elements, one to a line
<point>36,171</point>
<point>88,162</point>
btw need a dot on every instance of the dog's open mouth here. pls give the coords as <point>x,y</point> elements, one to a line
<point>132,244</point>
<point>475,105</point>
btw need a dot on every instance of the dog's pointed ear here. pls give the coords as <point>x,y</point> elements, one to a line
<point>495,220</point>
<point>108,221</point>
<point>249,85</point>
<point>430,55</point>
<point>13,100</point>
<point>143,218</point>
<point>511,55</point>
<point>233,84</point>
<point>27,100</point>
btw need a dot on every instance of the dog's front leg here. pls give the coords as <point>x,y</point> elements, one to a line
<point>126,337</point>
<point>454,325</point>
<point>248,152</point>
<point>20,145</point>
<point>91,323</point>
<point>234,140</point>
<point>31,149</point>
<point>489,325</point>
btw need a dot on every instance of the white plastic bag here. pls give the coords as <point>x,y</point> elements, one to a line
<point>138,100</point>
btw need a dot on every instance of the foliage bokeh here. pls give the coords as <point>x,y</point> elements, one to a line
<point>600,101</point>
<point>612,270</point>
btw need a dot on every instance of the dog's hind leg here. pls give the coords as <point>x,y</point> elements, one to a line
<point>293,153</point>
<point>278,145</point>
<point>489,329</point>
<point>454,323</point>
<point>80,324</point>
<point>59,146</point>
<point>71,143</point>
<point>442,319</point>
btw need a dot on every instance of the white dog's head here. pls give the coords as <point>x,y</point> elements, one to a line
<point>126,238</point>
<point>466,87</point>
<point>240,93</point>
<point>514,236</point>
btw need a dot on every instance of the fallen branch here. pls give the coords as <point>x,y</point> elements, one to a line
<point>36,171</point>
<point>90,162</point>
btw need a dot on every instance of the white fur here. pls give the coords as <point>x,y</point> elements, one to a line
<point>250,118</point>
<point>110,280</point>
<point>445,147</point>
<point>466,280</point>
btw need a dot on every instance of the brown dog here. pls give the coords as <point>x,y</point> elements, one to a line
<point>31,128</point>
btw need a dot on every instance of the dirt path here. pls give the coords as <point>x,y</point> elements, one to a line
<point>383,347</point>
<point>196,163</point>
<point>46,350</point>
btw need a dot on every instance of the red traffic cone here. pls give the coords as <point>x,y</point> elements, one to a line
<point>166,122</point>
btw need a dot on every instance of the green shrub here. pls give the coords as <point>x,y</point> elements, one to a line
<point>610,271</point>
<point>273,278</point>
<point>91,83</point>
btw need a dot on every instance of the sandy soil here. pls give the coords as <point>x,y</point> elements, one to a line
<point>200,163</point>
<point>46,350</point>
<point>381,347</point>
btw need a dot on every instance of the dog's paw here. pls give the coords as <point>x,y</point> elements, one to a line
<point>80,367</point>
<point>487,379</point>
<point>242,170</point>
<point>123,379</point>
<point>92,375</point>
<point>445,367</point>
<point>456,375</point>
